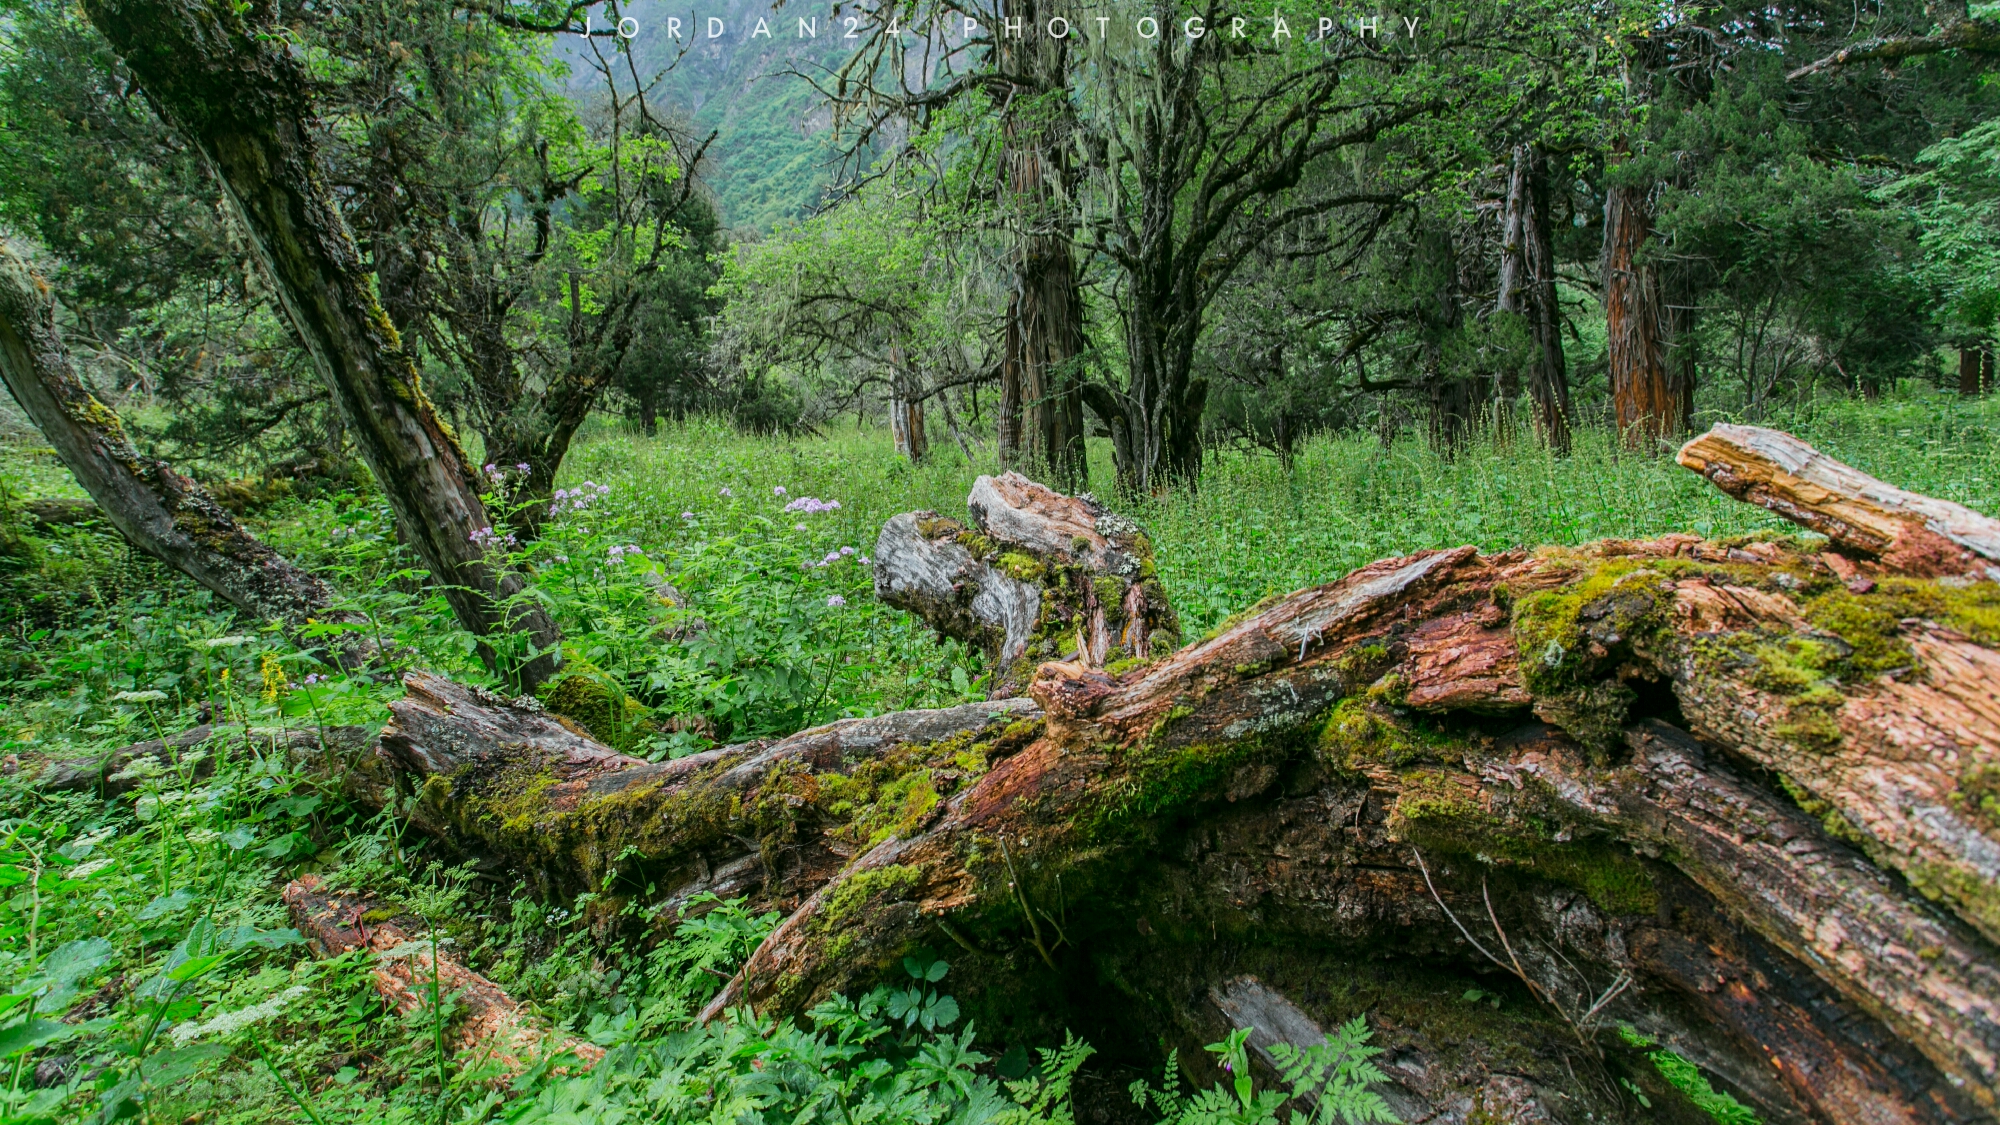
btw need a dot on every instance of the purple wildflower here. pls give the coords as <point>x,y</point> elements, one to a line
<point>811,505</point>
<point>687,515</point>
<point>521,468</point>
<point>836,601</point>
<point>865,562</point>
<point>726,492</point>
<point>798,527</point>
<point>847,550</point>
<point>778,491</point>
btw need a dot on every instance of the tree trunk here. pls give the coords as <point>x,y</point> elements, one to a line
<point>1528,289</point>
<point>240,97</point>
<point>1969,366</point>
<point>906,410</point>
<point>1442,778</point>
<point>1039,576</point>
<point>1649,398</point>
<point>158,510</point>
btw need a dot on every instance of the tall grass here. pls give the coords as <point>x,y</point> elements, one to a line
<point>1251,528</point>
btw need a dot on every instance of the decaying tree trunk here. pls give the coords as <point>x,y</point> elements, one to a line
<point>493,1028</point>
<point>111,775</point>
<point>1501,803</point>
<point>155,508</point>
<point>1037,576</point>
<point>238,95</point>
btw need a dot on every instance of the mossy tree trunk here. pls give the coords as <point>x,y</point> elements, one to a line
<point>158,510</point>
<point>232,88</point>
<point>1715,791</point>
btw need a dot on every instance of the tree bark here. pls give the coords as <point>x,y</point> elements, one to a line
<point>1650,401</point>
<point>906,410</point>
<point>1528,289</point>
<point>1043,332</point>
<point>1037,576</point>
<point>243,100</point>
<point>155,508</point>
<point>1703,789</point>
<point>1887,529</point>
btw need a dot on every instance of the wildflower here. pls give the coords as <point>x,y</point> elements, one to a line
<point>522,467</point>
<point>835,601</point>
<point>812,505</point>
<point>831,557</point>
<point>311,679</point>
<point>798,527</point>
<point>228,1023</point>
<point>778,491</point>
<point>865,562</point>
<point>272,673</point>
<point>847,550</point>
<point>140,697</point>
<point>562,558</point>
<point>726,492</point>
<point>490,470</point>
<point>139,769</point>
<point>86,870</point>
<point>224,642</point>
<point>687,515</point>
<point>562,493</point>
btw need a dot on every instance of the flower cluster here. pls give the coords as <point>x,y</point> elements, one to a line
<point>616,552</point>
<point>836,556</point>
<point>812,505</point>
<point>578,498</point>
<point>835,601</point>
<point>487,537</point>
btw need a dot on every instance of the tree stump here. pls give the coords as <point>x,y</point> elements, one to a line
<point>1036,576</point>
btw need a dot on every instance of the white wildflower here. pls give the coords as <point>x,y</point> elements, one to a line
<point>228,1023</point>
<point>140,697</point>
<point>140,768</point>
<point>86,870</point>
<point>224,642</point>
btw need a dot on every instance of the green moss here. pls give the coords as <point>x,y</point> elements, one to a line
<point>1958,884</point>
<point>1871,624</point>
<point>1357,733</point>
<point>1978,794</point>
<point>611,716</point>
<point>1443,812</point>
<point>1830,817</point>
<point>1022,567</point>
<point>867,888</point>
<point>1566,636</point>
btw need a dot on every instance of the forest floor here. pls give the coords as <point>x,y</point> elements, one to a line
<point>775,628</point>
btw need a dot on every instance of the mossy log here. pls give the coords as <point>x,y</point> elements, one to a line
<point>1036,576</point>
<point>491,1026</point>
<point>1707,790</point>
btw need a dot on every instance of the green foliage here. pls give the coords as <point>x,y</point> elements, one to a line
<point>1332,1077</point>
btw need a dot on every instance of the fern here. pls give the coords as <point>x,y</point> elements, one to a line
<point>1334,1077</point>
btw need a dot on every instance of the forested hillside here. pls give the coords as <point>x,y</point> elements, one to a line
<point>1183,566</point>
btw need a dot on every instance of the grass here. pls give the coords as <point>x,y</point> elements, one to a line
<point>154,924</point>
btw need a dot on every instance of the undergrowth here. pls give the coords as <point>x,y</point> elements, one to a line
<point>709,588</point>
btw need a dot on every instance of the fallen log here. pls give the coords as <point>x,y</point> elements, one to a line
<point>1902,531</point>
<point>112,773</point>
<point>493,1027</point>
<point>1037,576</point>
<point>1706,789</point>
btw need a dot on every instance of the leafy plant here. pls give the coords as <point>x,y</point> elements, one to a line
<point>1333,1077</point>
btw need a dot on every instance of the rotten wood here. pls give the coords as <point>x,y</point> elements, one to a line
<point>1904,532</point>
<point>494,1028</point>
<point>1036,576</point>
<point>1724,773</point>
